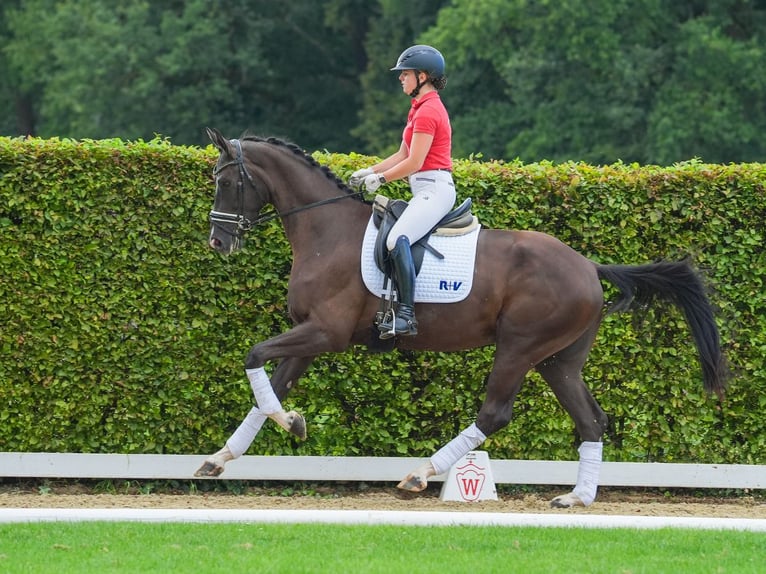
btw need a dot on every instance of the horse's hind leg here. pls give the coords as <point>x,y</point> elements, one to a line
<point>287,372</point>
<point>503,385</point>
<point>563,372</point>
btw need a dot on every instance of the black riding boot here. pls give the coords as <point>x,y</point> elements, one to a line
<point>404,322</point>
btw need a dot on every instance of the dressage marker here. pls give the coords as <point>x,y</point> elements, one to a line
<point>469,480</point>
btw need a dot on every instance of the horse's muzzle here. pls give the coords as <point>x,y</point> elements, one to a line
<point>215,243</point>
<point>225,245</point>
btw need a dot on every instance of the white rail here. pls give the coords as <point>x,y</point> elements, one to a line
<point>369,469</point>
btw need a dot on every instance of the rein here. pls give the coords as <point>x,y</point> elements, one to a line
<point>243,223</point>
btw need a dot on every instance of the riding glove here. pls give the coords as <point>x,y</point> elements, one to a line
<point>373,182</point>
<point>358,176</point>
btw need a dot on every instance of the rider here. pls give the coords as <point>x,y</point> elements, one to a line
<point>425,158</point>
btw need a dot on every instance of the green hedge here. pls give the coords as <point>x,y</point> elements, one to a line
<point>122,332</point>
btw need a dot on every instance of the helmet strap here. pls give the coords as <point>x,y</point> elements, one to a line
<point>414,93</point>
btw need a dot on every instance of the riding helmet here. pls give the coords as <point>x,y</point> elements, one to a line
<point>421,57</point>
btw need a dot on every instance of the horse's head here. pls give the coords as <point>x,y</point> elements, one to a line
<point>237,201</point>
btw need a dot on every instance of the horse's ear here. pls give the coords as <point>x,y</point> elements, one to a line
<point>219,141</point>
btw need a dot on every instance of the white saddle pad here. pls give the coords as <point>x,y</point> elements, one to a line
<point>447,280</point>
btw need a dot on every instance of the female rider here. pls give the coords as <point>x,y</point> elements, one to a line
<point>425,158</point>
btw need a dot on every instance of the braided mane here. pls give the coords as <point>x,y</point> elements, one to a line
<point>329,174</point>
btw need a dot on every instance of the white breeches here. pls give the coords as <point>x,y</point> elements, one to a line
<point>433,196</point>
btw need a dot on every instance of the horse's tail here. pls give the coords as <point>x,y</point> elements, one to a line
<point>679,283</point>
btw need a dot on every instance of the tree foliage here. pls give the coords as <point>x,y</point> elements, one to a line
<point>101,69</point>
<point>649,81</point>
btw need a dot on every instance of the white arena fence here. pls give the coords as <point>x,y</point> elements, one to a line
<point>369,469</point>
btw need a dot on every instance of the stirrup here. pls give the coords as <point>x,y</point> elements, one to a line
<point>388,328</point>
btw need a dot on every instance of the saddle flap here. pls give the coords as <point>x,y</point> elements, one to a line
<point>383,207</point>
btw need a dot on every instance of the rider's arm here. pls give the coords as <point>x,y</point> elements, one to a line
<point>403,164</point>
<point>397,157</point>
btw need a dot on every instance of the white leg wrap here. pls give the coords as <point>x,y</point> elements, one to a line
<point>243,437</point>
<point>587,472</point>
<point>267,401</point>
<point>457,448</point>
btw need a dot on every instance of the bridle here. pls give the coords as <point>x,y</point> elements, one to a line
<point>221,217</point>
<point>243,224</point>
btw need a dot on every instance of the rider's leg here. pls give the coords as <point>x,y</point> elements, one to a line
<point>433,197</point>
<point>404,323</point>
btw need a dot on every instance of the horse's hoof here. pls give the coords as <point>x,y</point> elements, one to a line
<point>412,484</point>
<point>297,424</point>
<point>566,501</point>
<point>209,469</point>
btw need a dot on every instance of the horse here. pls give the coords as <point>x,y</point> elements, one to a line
<point>537,300</point>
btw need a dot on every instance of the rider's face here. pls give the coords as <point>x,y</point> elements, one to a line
<point>408,80</point>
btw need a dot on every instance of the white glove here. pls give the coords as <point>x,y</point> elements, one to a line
<point>356,178</point>
<point>373,182</point>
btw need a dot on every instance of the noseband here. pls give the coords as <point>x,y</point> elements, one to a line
<point>243,223</point>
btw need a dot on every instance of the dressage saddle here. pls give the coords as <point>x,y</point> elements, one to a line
<point>385,212</point>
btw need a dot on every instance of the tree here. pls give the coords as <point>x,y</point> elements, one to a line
<point>570,80</point>
<point>602,80</point>
<point>650,81</point>
<point>394,27</point>
<point>19,91</point>
<point>711,104</point>
<point>132,69</point>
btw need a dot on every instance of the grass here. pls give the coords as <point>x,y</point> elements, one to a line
<point>108,547</point>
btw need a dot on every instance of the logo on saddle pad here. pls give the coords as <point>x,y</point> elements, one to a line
<point>453,286</point>
<point>446,280</point>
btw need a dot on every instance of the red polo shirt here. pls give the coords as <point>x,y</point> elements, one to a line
<point>429,116</point>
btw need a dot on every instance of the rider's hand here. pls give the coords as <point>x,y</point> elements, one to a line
<point>358,176</point>
<point>373,182</point>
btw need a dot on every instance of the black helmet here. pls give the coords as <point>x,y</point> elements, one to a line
<point>421,57</point>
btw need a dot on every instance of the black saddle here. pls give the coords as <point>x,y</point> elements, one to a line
<point>386,212</point>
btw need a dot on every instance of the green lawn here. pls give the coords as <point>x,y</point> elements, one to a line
<point>85,547</point>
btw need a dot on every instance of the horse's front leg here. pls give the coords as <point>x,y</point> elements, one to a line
<point>306,339</point>
<point>270,405</point>
<point>285,376</point>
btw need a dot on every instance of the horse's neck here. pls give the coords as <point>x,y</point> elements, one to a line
<point>295,183</point>
<point>297,186</point>
<point>327,227</point>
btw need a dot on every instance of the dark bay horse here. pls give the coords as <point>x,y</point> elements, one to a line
<point>537,300</point>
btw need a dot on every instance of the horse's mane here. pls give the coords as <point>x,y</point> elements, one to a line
<point>298,151</point>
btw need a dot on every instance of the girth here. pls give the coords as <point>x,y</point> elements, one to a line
<point>385,212</point>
